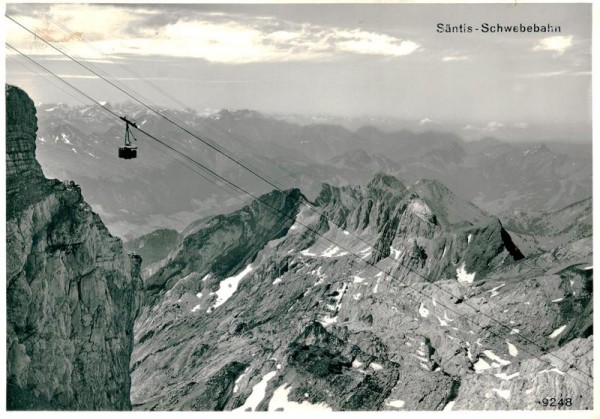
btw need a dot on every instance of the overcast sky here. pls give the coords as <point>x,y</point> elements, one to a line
<point>351,60</point>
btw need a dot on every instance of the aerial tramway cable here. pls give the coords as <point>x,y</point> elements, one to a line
<point>124,89</point>
<point>359,257</point>
<point>174,99</point>
<point>167,152</point>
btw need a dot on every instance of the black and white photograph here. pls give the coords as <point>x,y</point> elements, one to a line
<point>307,207</point>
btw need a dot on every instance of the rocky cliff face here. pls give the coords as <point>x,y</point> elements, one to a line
<point>25,181</point>
<point>254,311</point>
<point>71,289</point>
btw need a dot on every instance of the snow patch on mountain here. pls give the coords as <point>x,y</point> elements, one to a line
<point>449,406</point>
<point>333,251</point>
<point>463,276</point>
<point>237,381</point>
<point>280,401</point>
<point>512,349</point>
<point>423,312</point>
<point>557,331</point>
<point>494,291</point>
<point>395,253</point>
<point>556,370</point>
<point>505,377</point>
<point>228,287</point>
<point>376,366</point>
<point>396,403</point>
<point>356,363</point>
<point>330,319</point>
<point>505,394</point>
<point>358,279</point>
<point>258,393</point>
<point>481,365</point>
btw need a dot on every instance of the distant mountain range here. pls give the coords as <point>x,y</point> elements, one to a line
<point>155,191</point>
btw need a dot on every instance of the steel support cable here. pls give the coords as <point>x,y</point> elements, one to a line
<point>207,141</point>
<point>149,83</point>
<point>529,341</point>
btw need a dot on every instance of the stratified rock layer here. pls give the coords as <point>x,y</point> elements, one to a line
<point>71,289</point>
<point>25,181</point>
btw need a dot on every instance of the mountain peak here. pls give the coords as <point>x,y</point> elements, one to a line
<point>385,181</point>
<point>25,181</point>
<point>449,208</point>
<point>237,114</point>
<point>434,186</point>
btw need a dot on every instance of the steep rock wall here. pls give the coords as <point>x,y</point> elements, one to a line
<point>71,288</point>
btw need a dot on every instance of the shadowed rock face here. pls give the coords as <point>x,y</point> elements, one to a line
<point>25,181</point>
<point>71,288</point>
<point>295,319</point>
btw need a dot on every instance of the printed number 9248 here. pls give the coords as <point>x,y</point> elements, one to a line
<point>551,402</point>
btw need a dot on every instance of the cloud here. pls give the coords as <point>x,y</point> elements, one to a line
<point>362,42</point>
<point>427,121</point>
<point>543,74</point>
<point>455,58</point>
<point>215,37</point>
<point>558,44</point>
<point>547,74</point>
<point>491,126</point>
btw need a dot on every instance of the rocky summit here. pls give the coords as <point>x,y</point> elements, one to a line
<point>378,297</point>
<point>71,289</point>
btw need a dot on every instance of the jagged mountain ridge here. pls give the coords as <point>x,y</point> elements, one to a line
<point>295,321</point>
<point>72,291</point>
<point>497,176</point>
<point>539,232</point>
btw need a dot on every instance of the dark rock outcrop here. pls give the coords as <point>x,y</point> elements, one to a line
<point>71,288</point>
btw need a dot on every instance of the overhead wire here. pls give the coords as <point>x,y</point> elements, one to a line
<point>310,228</point>
<point>32,69</point>
<point>80,37</point>
<point>172,119</point>
<point>517,335</point>
<point>149,83</point>
<point>166,152</point>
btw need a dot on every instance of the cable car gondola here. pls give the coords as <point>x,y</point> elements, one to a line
<point>128,151</point>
